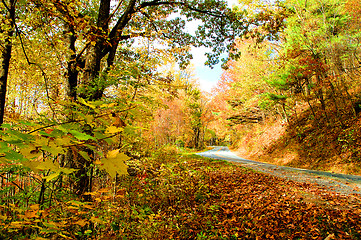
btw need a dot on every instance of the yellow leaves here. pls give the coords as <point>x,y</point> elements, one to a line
<point>35,207</point>
<point>16,224</point>
<point>30,152</point>
<point>110,105</point>
<point>85,155</point>
<point>3,217</point>
<point>117,125</point>
<point>64,141</point>
<point>40,142</point>
<point>114,163</point>
<point>31,214</point>
<point>48,164</point>
<point>52,176</point>
<point>54,148</point>
<point>32,164</point>
<point>113,129</point>
<point>104,190</point>
<point>99,192</point>
<point>81,100</point>
<point>96,220</point>
<point>89,118</point>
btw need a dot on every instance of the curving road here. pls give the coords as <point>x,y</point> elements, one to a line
<point>341,183</point>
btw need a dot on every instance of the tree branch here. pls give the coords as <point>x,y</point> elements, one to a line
<point>76,121</point>
<point>159,3</point>
<point>115,34</point>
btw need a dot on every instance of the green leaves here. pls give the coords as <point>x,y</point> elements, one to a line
<point>38,146</point>
<point>81,136</point>
<point>13,155</point>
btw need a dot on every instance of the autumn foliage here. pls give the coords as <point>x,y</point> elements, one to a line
<point>296,100</point>
<point>189,197</point>
<point>100,112</point>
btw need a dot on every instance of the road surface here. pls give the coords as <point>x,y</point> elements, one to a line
<point>341,183</point>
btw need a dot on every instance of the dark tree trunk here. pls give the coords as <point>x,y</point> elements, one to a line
<point>196,137</point>
<point>92,86</point>
<point>82,179</point>
<point>90,89</point>
<point>72,72</point>
<point>5,51</point>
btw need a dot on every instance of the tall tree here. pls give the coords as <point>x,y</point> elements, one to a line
<point>108,29</point>
<point>7,28</point>
<point>99,37</point>
<point>318,55</point>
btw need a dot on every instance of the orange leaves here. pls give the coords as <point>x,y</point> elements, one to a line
<point>192,198</point>
<point>33,212</point>
<point>353,7</point>
<point>257,206</point>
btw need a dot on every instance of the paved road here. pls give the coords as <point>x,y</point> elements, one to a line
<point>341,183</point>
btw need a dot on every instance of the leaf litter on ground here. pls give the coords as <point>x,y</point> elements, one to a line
<point>191,197</point>
<point>214,199</point>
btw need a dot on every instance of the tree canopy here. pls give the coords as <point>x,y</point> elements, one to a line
<point>100,109</point>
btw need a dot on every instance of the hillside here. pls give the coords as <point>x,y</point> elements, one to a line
<point>319,145</point>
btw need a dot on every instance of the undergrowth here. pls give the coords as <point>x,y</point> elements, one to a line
<point>184,196</point>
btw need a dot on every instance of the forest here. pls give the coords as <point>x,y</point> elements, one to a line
<point>101,113</point>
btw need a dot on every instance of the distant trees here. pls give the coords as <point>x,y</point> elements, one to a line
<point>183,121</point>
<point>318,56</point>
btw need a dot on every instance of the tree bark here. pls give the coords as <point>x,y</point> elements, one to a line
<point>72,72</point>
<point>92,88</point>
<point>7,30</point>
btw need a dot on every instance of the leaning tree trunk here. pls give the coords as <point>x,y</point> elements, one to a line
<point>6,32</point>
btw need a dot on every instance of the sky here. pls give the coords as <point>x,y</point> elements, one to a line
<point>207,77</point>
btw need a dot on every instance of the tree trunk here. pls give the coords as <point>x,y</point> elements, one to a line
<point>7,31</point>
<point>196,136</point>
<point>91,88</point>
<point>82,180</point>
<point>72,72</point>
<point>92,85</point>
